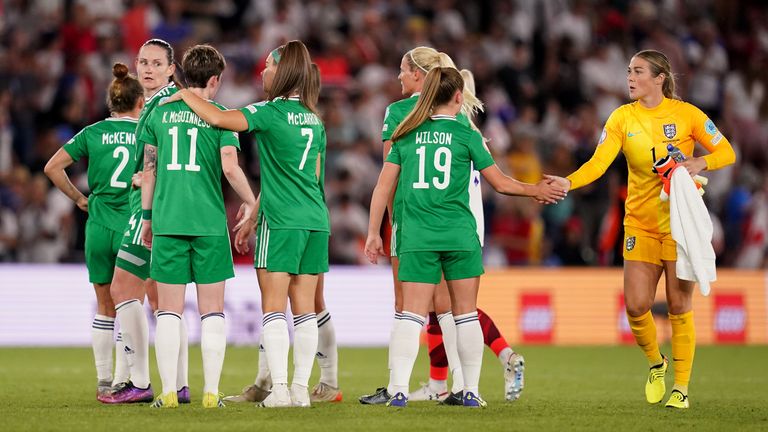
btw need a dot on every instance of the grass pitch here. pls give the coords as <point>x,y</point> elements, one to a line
<point>586,388</point>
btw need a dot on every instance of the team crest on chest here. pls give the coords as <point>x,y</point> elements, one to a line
<point>670,130</point>
<point>630,243</point>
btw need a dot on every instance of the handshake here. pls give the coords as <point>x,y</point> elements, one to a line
<point>664,168</point>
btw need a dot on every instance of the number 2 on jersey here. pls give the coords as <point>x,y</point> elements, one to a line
<point>444,167</point>
<point>175,165</point>
<point>308,133</point>
<point>123,154</point>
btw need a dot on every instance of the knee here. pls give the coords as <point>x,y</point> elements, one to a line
<point>637,308</point>
<point>678,306</point>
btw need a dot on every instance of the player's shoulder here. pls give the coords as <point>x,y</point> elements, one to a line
<point>255,107</point>
<point>402,104</point>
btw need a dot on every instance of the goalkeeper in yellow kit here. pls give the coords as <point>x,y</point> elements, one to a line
<point>642,130</point>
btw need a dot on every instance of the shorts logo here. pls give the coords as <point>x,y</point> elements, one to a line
<point>630,243</point>
<point>670,130</point>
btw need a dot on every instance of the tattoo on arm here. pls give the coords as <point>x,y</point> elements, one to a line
<point>150,159</point>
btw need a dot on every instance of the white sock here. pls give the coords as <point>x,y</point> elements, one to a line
<point>448,327</point>
<point>469,336</point>
<point>439,386</point>
<point>327,351</point>
<point>504,355</point>
<point>276,345</point>
<point>392,339</point>
<point>135,331</point>
<point>182,379</point>
<point>103,342</point>
<point>304,347</point>
<point>404,349</point>
<point>167,341</point>
<point>213,344</point>
<point>122,371</point>
<point>263,377</point>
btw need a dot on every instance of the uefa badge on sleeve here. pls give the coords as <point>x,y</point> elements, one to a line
<point>670,130</point>
<point>630,243</point>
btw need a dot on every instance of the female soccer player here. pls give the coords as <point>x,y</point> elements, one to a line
<point>414,66</point>
<point>642,130</point>
<point>293,225</point>
<point>155,68</point>
<point>184,158</point>
<point>109,145</point>
<point>431,160</point>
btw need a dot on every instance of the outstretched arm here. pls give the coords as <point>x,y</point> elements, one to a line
<point>232,120</point>
<point>545,191</point>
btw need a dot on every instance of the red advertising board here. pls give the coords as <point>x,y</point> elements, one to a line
<point>536,317</point>
<point>730,320</point>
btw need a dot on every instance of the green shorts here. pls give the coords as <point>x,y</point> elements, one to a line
<point>101,246</point>
<point>290,250</point>
<point>185,259</point>
<point>394,246</point>
<point>428,267</point>
<point>133,257</point>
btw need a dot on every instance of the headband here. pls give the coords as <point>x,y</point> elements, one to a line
<point>276,56</point>
<point>410,53</point>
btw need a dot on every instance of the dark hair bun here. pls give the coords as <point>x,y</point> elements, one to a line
<point>120,71</point>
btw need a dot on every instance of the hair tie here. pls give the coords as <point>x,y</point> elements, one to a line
<point>275,56</point>
<point>410,53</point>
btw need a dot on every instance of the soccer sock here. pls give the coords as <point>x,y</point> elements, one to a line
<point>262,377</point>
<point>182,380</point>
<point>276,345</point>
<point>213,344</point>
<point>644,330</point>
<point>167,341</point>
<point>391,339</point>
<point>135,331</point>
<point>404,349</point>
<point>504,355</point>
<point>122,371</point>
<point>683,348</point>
<point>327,351</point>
<point>438,361</point>
<point>304,347</point>
<point>491,334</point>
<point>469,336</point>
<point>103,342</point>
<point>448,326</point>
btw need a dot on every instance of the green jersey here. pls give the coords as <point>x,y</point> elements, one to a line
<point>109,145</point>
<point>394,115</point>
<point>138,162</point>
<point>435,161</point>
<point>291,139</point>
<point>188,196</point>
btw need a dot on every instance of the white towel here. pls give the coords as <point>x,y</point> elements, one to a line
<point>692,230</point>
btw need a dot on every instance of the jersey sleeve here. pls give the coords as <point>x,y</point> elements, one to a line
<point>611,141</point>
<point>77,147</point>
<point>258,115</point>
<point>229,138</point>
<point>706,133</point>
<point>478,152</point>
<point>394,155</point>
<point>391,120</point>
<point>147,134</point>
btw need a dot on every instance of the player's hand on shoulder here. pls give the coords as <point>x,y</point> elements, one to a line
<point>374,248</point>
<point>172,98</point>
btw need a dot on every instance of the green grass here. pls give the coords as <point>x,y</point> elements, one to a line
<point>585,388</point>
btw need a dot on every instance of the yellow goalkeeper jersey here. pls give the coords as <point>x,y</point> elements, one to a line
<point>643,135</point>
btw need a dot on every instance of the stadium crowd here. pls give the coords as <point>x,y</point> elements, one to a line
<point>549,72</point>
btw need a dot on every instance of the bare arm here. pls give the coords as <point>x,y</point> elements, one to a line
<point>54,169</point>
<point>545,191</point>
<point>381,194</point>
<point>236,177</point>
<point>391,199</point>
<point>148,179</point>
<point>232,120</point>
